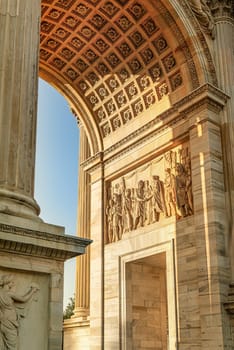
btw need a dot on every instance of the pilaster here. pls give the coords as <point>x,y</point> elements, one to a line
<point>210,227</point>
<point>97,259</point>
<point>223,12</point>
<point>82,297</point>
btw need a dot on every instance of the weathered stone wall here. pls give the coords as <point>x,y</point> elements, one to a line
<point>146,300</point>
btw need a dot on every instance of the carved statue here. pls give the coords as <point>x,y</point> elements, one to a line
<point>10,312</point>
<point>203,14</point>
<point>159,205</point>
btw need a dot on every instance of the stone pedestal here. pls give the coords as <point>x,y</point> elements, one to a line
<point>76,333</point>
<point>32,257</point>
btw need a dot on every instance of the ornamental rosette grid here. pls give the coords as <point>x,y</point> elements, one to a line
<point>114,54</point>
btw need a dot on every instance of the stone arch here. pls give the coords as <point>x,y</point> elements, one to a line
<point>154,57</point>
<point>115,60</point>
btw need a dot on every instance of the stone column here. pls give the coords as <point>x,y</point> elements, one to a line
<point>82,297</point>
<point>223,11</point>
<point>19,47</point>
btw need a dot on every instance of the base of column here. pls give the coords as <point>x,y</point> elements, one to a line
<point>19,205</point>
<point>81,313</point>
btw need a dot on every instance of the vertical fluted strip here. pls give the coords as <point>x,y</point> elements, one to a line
<point>224,55</point>
<point>19,47</point>
<point>83,226</point>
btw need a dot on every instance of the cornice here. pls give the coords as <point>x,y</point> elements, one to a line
<point>28,242</point>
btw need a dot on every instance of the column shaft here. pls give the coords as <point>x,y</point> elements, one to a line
<point>224,55</point>
<point>83,262</point>
<point>19,47</point>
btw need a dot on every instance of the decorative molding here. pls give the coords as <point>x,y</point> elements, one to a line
<point>203,14</point>
<point>178,34</point>
<point>38,243</point>
<point>210,63</point>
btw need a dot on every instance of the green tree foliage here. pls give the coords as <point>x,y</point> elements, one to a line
<point>69,311</point>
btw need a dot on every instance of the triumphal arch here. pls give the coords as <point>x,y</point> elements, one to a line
<point>151,85</point>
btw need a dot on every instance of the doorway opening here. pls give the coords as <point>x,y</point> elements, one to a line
<point>146,303</point>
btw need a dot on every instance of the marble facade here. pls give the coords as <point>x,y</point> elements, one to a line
<point>151,85</point>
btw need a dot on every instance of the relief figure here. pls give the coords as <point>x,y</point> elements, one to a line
<point>109,214</point>
<point>189,204</point>
<point>181,194</point>
<point>127,210</point>
<point>117,217</point>
<point>170,197</point>
<point>159,205</point>
<point>11,311</point>
<point>140,205</point>
<point>148,204</point>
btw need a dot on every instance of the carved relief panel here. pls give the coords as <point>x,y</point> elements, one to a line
<point>159,189</point>
<point>24,300</point>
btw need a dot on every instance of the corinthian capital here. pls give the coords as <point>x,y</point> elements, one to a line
<point>222,8</point>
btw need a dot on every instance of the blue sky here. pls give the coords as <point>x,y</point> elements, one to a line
<point>57,168</point>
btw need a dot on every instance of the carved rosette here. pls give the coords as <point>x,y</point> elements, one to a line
<point>159,189</point>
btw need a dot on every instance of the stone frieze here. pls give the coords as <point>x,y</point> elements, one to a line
<point>160,189</point>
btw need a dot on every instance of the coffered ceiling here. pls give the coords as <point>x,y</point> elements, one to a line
<point>120,56</point>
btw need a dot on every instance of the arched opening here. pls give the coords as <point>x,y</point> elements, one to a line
<point>140,77</point>
<point>126,67</point>
<point>56,176</point>
<point>117,61</point>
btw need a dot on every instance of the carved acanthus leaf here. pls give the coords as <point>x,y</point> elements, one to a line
<point>222,8</point>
